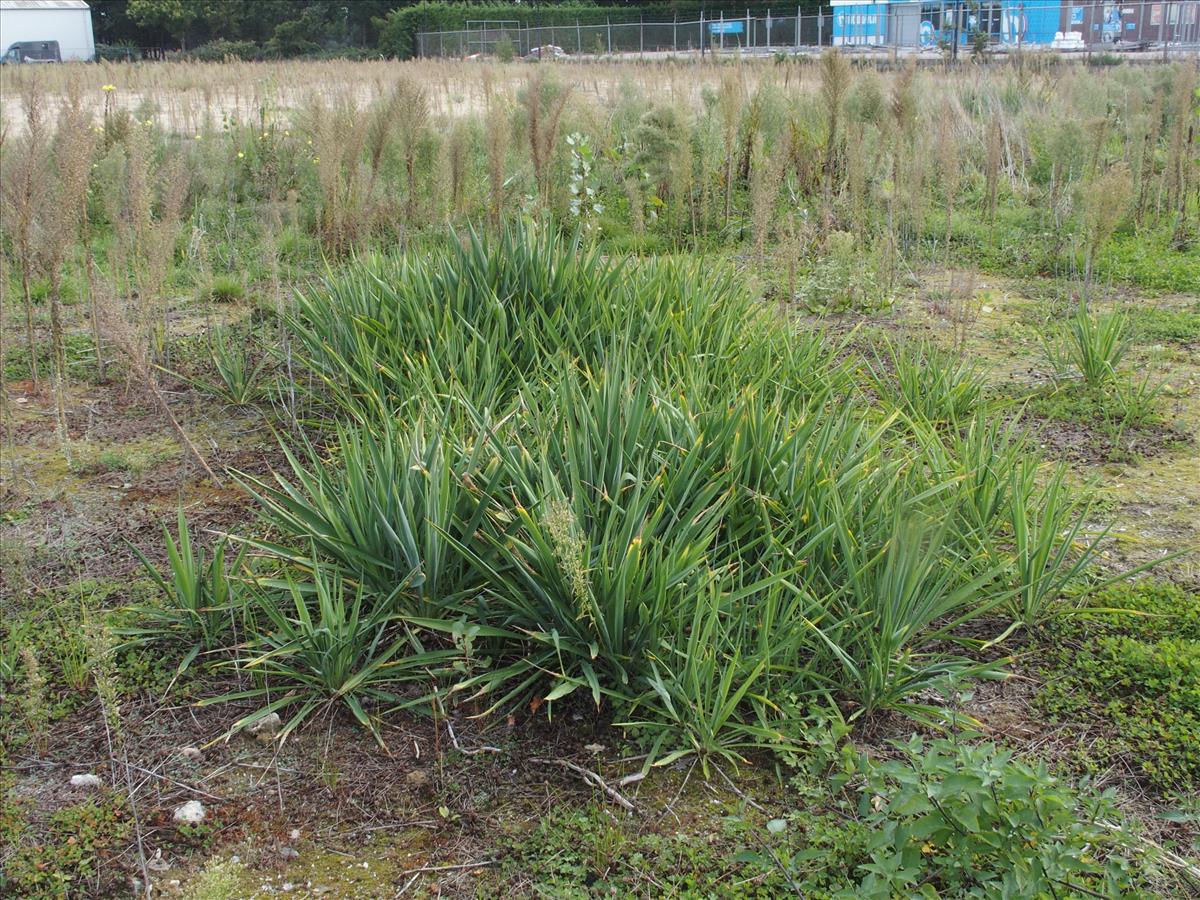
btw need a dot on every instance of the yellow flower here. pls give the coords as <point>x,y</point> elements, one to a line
<point>197,137</point>
<point>927,848</point>
<point>241,155</point>
<point>109,88</point>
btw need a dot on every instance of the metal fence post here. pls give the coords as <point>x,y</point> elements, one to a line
<point>1166,17</point>
<point>578,39</point>
<point>609,37</point>
<point>675,35</point>
<point>702,34</point>
<point>641,37</point>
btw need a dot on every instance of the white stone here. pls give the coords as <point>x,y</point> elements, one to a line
<point>268,724</point>
<point>92,782</point>
<point>192,753</point>
<point>190,813</point>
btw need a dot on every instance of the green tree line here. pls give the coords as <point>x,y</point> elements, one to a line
<point>252,29</point>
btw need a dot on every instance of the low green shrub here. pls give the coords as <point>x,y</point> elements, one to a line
<point>74,854</point>
<point>221,50</point>
<point>976,821</point>
<point>841,280</point>
<point>1156,323</point>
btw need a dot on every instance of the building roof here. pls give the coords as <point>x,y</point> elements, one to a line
<point>6,5</point>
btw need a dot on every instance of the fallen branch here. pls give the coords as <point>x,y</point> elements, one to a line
<point>593,779</point>
<point>463,750</point>
<point>417,873</point>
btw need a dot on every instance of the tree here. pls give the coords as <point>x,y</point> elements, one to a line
<point>173,16</point>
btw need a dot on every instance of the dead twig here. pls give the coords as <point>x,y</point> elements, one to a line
<point>179,784</point>
<point>463,750</point>
<point>593,779</point>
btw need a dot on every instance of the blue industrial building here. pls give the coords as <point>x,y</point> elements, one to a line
<point>1015,23</point>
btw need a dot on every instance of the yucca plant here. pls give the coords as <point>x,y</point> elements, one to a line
<point>1092,346</point>
<point>705,684</point>
<point>605,536</point>
<point>927,384</point>
<point>1050,547</point>
<point>553,476</point>
<point>386,511</point>
<point>238,377</point>
<point>319,644</point>
<point>889,624</point>
<point>201,601</point>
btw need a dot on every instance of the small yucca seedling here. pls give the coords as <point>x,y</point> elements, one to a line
<point>199,599</point>
<point>238,376</point>
<point>1092,345</point>
<point>323,644</point>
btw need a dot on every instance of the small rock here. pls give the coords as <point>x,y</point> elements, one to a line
<point>288,886</point>
<point>192,753</point>
<point>294,834</point>
<point>265,729</point>
<point>156,863</point>
<point>593,748</point>
<point>417,778</point>
<point>190,813</point>
<point>91,782</point>
<point>235,859</point>
<point>288,853</point>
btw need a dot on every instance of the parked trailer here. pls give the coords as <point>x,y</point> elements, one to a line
<point>46,31</point>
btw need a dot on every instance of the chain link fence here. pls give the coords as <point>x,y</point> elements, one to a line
<point>906,26</point>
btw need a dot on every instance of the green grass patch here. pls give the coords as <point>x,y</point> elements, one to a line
<point>1155,323</point>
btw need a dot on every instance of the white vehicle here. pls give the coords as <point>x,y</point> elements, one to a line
<point>45,31</point>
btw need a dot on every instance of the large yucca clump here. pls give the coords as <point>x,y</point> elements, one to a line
<point>563,474</point>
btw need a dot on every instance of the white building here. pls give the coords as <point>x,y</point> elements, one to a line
<point>46,31</point>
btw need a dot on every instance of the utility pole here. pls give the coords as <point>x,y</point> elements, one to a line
<point>957,22</point>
